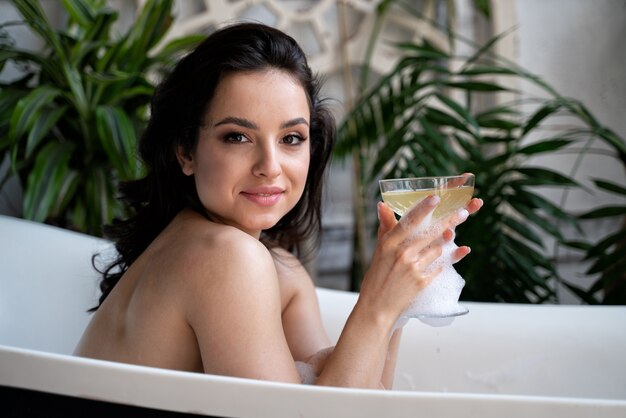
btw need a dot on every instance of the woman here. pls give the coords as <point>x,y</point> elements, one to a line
<point>207,277</point>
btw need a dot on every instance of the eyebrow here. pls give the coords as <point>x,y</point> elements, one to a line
<point>245,123</point>
<point>294,122</point>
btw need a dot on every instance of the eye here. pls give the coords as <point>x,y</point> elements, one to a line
<point>235,138</point>
<point>293,139</point>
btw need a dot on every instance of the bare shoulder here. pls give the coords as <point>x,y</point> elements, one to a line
<point>213,260</point>
<point>207,263</point>
<point>207,250</point>
<point>233,303</point>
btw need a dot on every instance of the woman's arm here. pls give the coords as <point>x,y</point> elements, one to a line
<point>400,268</point>
<point>389,371</point>
<point>235,312</point>
<point>235,309</point>
<point>301,317</point>
<point>303,325</point>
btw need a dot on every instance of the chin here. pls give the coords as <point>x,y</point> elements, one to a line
<point>261,224</point>
<point>266,226</point>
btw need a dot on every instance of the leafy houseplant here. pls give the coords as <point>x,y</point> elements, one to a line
<point>420,120</point>
<point>607,255</point>
<point>71,120</point>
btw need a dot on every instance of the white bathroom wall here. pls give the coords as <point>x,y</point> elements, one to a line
<point>578,47</point>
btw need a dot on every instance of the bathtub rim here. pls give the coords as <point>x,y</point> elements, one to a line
<point>99,380</point>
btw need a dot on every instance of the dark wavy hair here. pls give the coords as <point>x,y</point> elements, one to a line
<point>177,110</point>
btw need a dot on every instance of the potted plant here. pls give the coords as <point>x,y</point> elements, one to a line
<point>71,120</point>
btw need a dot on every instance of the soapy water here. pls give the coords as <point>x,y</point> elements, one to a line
<point>306,372</point>
<point>437,304</point>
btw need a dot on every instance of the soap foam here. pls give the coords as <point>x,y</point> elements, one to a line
<point>437,304</point>
<point>306,372</point>
<point>417,231</point>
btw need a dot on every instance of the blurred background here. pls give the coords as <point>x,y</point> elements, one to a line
<point>529,57</point>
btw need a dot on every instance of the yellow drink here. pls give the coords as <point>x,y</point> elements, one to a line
<point>451,199</point>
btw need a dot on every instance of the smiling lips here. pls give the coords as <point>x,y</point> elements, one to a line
<point>263,196</point>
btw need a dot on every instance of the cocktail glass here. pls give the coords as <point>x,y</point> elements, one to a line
<point>438,303</point>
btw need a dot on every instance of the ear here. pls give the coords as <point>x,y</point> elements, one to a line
<point>185,160</point>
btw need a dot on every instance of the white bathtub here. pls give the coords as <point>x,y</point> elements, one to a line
<point>500,360</point>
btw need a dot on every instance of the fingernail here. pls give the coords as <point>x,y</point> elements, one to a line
<point>432,200</point>
<point>378,208</point>
<point>463,214</point>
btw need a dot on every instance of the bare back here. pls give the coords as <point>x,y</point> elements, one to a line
<point>176,307</point>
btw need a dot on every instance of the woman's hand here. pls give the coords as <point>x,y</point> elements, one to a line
<point>472,207</point>
<point>402,262</point>
<point>401,266</point>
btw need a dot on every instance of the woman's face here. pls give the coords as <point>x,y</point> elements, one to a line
<point>252,157</point>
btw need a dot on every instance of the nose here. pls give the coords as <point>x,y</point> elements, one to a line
<point>267,162</point>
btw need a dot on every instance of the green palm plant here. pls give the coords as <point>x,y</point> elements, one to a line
<point>608,262</point>
<point>71,120</point>
<point>420,120</point>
